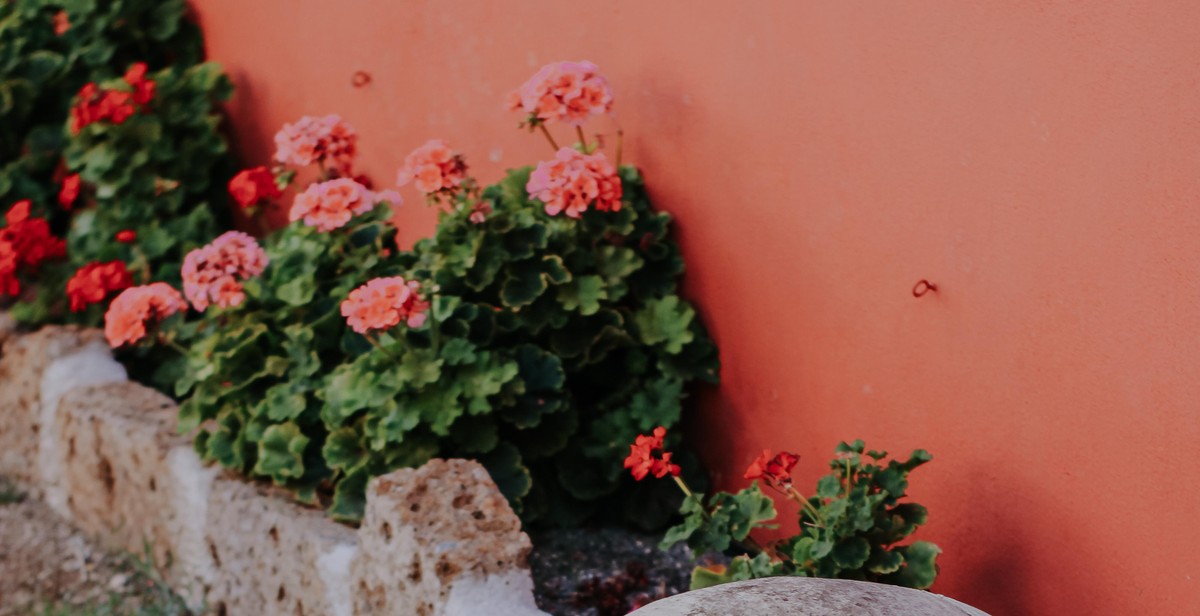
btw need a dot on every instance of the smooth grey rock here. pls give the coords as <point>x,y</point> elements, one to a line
<point>797,596</point>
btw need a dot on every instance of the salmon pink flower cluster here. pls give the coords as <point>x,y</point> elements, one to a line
<point>251,186</point>
<point>776,469</point>
<point>646,456</point>
<point>383,303</point>
<point>328,141</point>
<point>434,168</point>
<point>330,205</point>
<point>573,181</point>
<point>25,242</point>
<point>213,274</point>
<point>94,281</point>
<point>138,308</point>
<point>569,92</point>
<point>95,104</point>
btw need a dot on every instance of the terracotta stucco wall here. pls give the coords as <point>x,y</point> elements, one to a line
<point>1039,161</point>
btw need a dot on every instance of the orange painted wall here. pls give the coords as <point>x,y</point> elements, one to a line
<point>1039,161</point>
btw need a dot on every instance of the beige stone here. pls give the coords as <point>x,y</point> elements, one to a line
<point>797,596</point>
<point>272,556</point>
<point>121,481</point>
<point>25,358</point>
<point>103,453</point>
<point>441,540</point>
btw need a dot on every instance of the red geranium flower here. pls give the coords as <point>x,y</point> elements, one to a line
<point>62,23</point>
<point>253,185</point>
<point>143,89</point>
<point>94,281</point>
<point>127,236</point>
<point>776,469</point>
<point>69,191</point>
<point>25,241</point>
<point>646,456</point>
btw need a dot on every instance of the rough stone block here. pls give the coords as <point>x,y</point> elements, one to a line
<point>25,359</point>
<point>440,540</point>
<point>275,557</point>
<point>128,479</point>
<point>797,596</point>
<point>103,453</point>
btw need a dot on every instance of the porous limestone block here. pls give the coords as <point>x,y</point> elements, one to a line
<point>273,556</point>
<point>797,596</point>
<point>91,364</point>
<point>25,358</point>
<point>441,540</point>
<point>131,481</point>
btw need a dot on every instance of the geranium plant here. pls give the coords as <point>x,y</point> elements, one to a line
<point>52,49</point>
<point>121,156</point>
<point>850,527</point>
<point>537,330</point>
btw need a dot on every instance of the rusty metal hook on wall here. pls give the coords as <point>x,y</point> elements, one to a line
<point>360,79</point>
<point>922,287</point>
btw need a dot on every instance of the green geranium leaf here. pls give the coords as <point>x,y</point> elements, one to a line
<point>666,321</point>
<point>343,448</point>
<point>920,566</point>
<point>281,452</point>
<point>851,553</point>
<point>584,294</point>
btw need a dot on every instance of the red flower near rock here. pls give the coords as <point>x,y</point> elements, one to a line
<point>137,308</point>
<point>251,186</point>
<point>646,456</point>
<point>775,469</point>
<point>94,281</point>
<point>69,191</point>
<point>30,238</point>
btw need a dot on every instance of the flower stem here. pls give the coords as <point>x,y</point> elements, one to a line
<point>375,343</point>
<point>583,144</point>
<point>682,486</point>
<point>799,498</point>
<point>546,132</point>
<point>620,145</point>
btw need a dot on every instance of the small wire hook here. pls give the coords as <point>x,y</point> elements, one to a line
<point>360,79</point>
<point>922,287</point>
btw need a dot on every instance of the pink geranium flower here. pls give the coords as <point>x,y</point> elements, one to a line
<point>213,274</point>
<point>328,141</point>
<point>569,92</point>
<point>573,181</point>
<point>434,168</point>
<point>330,205</point>
<point>383,303</point>
<point>137,308</point>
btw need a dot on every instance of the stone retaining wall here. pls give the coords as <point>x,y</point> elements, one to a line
<point>102,451</point>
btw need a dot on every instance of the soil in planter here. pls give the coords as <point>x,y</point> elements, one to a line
<point>604,571</point>
<point>48,568</point>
